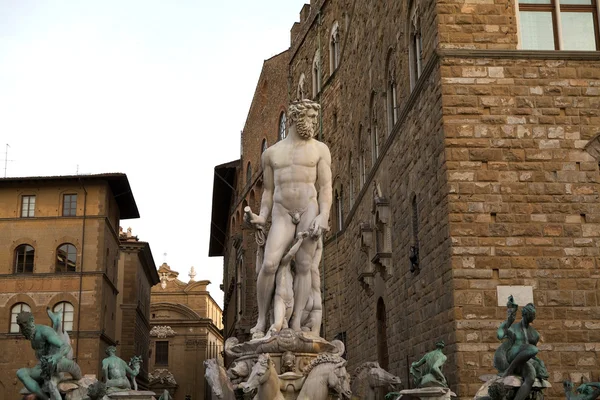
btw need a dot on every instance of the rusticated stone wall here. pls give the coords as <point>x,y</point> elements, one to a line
<point>524,204</point>
<point>500,149</point>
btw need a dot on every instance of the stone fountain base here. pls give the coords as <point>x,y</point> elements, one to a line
<point>427,393</point>
<point>77,390</point>
<point>132,395</point>
<point>293,354</point>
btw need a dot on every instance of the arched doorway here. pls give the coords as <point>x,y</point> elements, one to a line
<point>382,344</point>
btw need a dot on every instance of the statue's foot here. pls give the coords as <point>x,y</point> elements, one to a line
<point>257,334</point>
<point>295,326</point>
<point>274,329</point>
<point>259,327</point>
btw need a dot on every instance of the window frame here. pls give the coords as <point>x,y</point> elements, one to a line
<point>555,8</point>
<point>164,354</point>
<point>415,45</point>
<point>339,207</point>
<point>316,75</point>
<point>68,309</point>
<point>351,183</point>
<point>17,256</point>
<point>64,267</point>
<point>282,133</point>
<point>264,146</point>
<point>391,92</point>
<point>373,129</point>
<point>300,90</point>
<point>334,48</point>
<point>362,168</point>
<point>248,174</point>
<point>30,212</point>
<point>71,211</point>
<point>13,313</point>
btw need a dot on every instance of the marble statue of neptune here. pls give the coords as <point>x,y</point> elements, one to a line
<point>298,196</point>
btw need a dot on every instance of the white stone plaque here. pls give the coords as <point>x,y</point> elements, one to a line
<point>522,294</point>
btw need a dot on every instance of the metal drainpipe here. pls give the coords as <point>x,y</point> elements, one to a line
<point>81,269</point>
<point>320,80</point>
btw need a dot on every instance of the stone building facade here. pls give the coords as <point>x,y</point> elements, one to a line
<point>465,160</point>
<point>60,249</point>
<point>137,275</point>
<point>186,329</point>
<point>264,125</point>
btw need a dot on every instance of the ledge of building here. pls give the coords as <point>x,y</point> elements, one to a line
<point>521,54</point>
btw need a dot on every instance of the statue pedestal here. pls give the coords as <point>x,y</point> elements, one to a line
<point>132,395</point>
<point>292,359</point>
<point>77,390</point>
<point>429,393</point>
<point>71,389</point>
<point>504,388</point>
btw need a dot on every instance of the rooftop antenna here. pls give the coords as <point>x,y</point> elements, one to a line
<point>6,160</point>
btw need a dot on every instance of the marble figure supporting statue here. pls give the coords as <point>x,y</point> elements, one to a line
<point>297,195</point>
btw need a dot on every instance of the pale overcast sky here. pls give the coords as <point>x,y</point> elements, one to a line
<point>158,90</point>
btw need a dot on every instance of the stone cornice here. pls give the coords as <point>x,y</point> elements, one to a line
<point>521,54</point>
<point>184,323</point>
<point>73,335</point>
<point>46,275</point>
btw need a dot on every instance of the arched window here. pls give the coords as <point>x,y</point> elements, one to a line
<point>300,90</point>
<point>316,75</point>
<point>414,248</point>
<point>14,311</point>
<point>264,146</point>
<point>391,92</point>
<point>339,207</point>
<point>66,258</point>
<point>373,129</point>
<point>248,174</point>
<point>67,311</point>
<point>282,127</point>
<point>24,259</point>
<point>361,159</point>
<point>415,45</point>
<point>351,185</point>
<point>382,345</point>
<point>334,48</point>
<point>252,200</point>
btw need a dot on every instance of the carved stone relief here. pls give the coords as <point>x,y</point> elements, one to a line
<point>162,332</point>
<point>194,344</point>
<point>162,376</point>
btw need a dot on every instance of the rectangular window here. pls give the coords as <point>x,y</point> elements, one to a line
<point>28,206</point>
<point>69,205</point>
<point>558,25</point>
<point>162,353</point>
